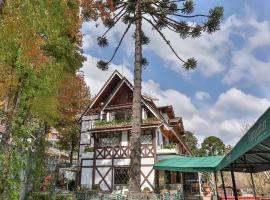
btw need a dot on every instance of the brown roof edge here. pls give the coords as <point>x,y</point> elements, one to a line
<point>116,72</point>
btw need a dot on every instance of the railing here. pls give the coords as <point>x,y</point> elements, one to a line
<point>165,196</point>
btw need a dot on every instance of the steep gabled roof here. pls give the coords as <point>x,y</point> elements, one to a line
<point>121,83</point>
<point>103,94</point>
<point>168,110</point>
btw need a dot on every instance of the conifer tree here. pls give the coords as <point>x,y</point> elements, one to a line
<point>160,14</point>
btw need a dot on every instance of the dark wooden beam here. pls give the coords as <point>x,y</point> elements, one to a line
<point>258,152</point>
<point>253,185</point>
<point>265,146</point>
<point>223,185</point>
<point>234,184</point>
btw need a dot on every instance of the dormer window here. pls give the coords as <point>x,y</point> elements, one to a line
<point>123,114</point>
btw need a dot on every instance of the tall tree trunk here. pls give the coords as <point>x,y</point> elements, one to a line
<point>7,120</point>
<point>1,6</point>
<point>25,177</point>
<point>135,171</point>
<point>71,152</point>
<point>9,112</point>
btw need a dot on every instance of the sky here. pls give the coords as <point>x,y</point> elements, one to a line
<point>229,89</point>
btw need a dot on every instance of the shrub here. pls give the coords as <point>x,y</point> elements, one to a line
<point>88,149</point>
<point>47,196</point>
<point>39,196</point>
<point>169,146</point>
<point>65,197</point>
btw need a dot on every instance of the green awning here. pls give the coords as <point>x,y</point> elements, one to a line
<point>189,164</point>
<point>252,152</point>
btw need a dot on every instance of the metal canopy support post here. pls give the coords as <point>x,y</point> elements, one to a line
<point>253,185</point>
<point>215,176</point>
<point>233,182</point>
<point>223,185</point>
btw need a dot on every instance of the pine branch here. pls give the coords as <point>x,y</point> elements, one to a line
<point>120,42</point>
<point>190,16</point>
<point>165,39</point>
<point>114,23</point>
<point>104,65</point>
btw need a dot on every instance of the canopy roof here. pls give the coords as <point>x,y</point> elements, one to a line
<point>189,164</point>
<point>252,152</point>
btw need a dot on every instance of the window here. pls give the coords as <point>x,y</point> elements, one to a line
<point>146,137</point>
<point>109,139</point>
<point>121,175</point>
<point>124,114</point>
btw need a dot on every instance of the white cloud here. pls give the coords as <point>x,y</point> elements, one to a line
<point>201,95</point>
<point>95,78</point>
<point>181,103</point>
<point>245,66</point>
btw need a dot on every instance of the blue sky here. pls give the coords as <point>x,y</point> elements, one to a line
<point>230,87</point>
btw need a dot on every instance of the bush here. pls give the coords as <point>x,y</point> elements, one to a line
<point>65,197</point>
<point>169,146</point>
<point>89,149</point>
<point>47,196</point>
<point>39,196</point>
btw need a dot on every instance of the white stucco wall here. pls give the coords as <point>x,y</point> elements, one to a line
<point>124,138</point>
<point>87,163</point>
<point>151,178</point>
<point>108,178</point>
<point>147,161</point>
<point>121,162</point>
<point>103,162</point>
<point>86,177</point>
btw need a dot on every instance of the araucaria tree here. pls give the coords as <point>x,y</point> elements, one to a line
<point>160,14</point>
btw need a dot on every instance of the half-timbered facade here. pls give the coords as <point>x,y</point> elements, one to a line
<point>104,154</point>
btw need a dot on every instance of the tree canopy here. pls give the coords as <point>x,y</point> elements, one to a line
<point>192,142</point>
<point>73,98</point>
<point>212,146</point>
<point>40,44</point>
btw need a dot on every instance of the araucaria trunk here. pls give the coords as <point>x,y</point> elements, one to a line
<point>135,171</point>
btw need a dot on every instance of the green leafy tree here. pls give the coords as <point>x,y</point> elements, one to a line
<point>192,142</point>
<point>160,14</point>
<point>212,146</point>
<point>73,99</point>
<point>40,43</point>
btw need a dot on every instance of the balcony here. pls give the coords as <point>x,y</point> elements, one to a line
<point>167,149</point>
<point>103,124</point>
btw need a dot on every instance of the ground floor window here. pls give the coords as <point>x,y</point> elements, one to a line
<point>121,175</point>
<point>191,183</point>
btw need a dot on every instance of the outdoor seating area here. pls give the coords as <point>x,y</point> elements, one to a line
<point>250,155</point>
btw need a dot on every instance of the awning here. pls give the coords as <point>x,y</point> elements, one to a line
<point>252,152</point>
<point>189,164</point>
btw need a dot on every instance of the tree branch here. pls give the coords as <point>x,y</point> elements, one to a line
<point>190,16</point>
<point>115,21</point>
<point>119,44</point>
<point>164,38</point>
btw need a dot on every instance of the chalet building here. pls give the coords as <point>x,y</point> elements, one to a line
<point>104,153</point>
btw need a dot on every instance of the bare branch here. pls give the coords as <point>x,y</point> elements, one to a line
<point>120,42</point>
<point>114,22</point>
<point>165,39</point>
<point>190,16</point>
